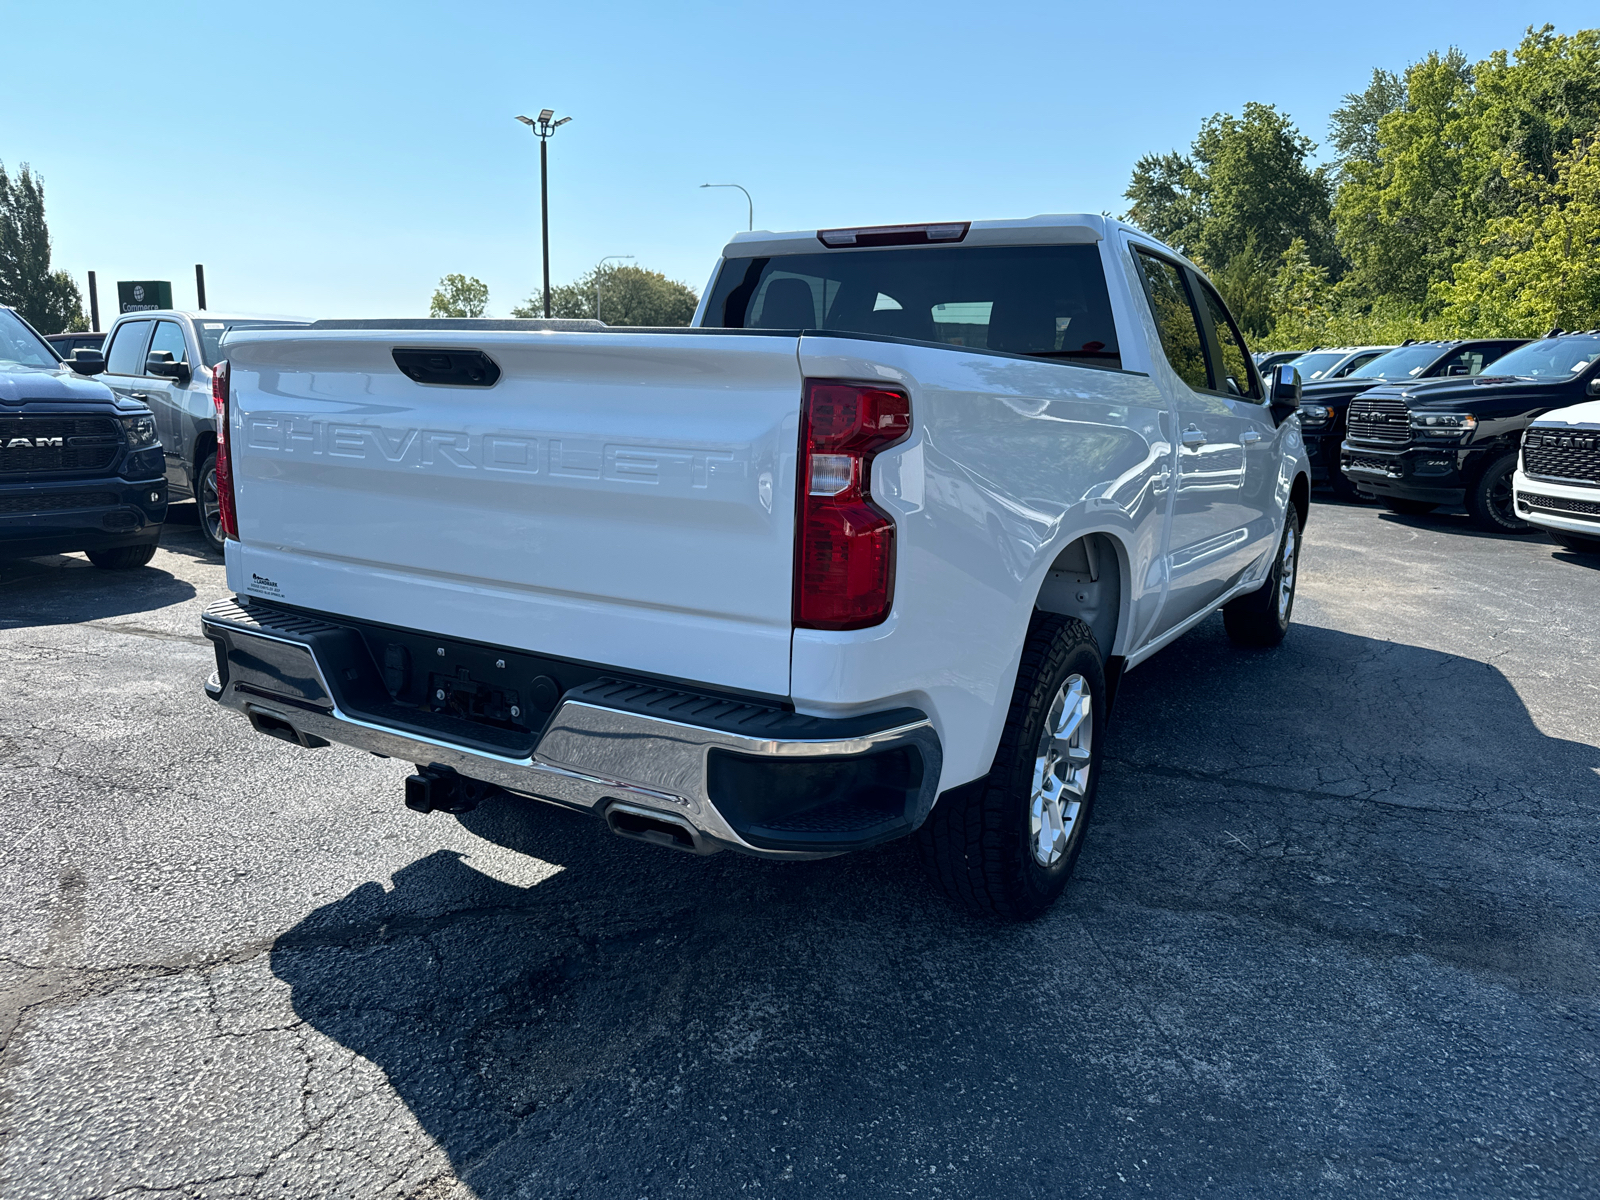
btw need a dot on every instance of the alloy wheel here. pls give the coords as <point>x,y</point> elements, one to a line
<point>1061,771</point>
<point>211,506</point>
<point>1286,566</point>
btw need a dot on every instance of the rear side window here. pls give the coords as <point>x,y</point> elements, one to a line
<point>1235,365</point>
<point>1043,301</point>
<point>126,356</point>
<point>1176,320</point>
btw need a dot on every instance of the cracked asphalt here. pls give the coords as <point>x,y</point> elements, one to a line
<point>1333,934</point>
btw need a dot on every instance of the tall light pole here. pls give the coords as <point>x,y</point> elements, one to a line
<point>747,200</point>
<point>543,126</point>
<point>602,263</point>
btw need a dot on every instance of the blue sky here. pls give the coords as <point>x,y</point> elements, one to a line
<point>336,159</point>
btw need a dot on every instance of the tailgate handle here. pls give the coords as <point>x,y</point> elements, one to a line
<point>447,367</point>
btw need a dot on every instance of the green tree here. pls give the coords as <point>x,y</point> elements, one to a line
<point>1353,127</point>
<point>459,296</point>
<point>627,295</point>
<point>1541,264</point>
<point>1236,202</point>
<point>1245,181</point>
<point>1447,154</point>
<point>50,300</point>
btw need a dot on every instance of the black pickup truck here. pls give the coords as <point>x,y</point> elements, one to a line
<point>1323,403</point>
<point>79,469</point>
<point>1454,441</point>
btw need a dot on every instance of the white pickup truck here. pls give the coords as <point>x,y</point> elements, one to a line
<point>860,555</point>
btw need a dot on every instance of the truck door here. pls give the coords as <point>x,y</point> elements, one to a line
<point>1254,431</point>
<point>125,354</point>
<point>1208,527</point>
<point>168,399</point>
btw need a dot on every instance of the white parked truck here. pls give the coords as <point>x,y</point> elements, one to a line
<point>860,555</point>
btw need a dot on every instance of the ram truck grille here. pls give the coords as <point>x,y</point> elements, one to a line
<point>31,445</point>
<point>1568,455</point>
<point>1382,420</point>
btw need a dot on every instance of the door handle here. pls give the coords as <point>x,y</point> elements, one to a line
<point>1192,436</point>
<point>1250,437</point>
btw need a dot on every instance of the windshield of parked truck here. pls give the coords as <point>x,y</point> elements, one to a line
<point>1549,358</point>
<point>20,346</point>
<point>210,334</point>
<point>1044,301</point>
<point>1408,362</point>
<point>1316,364</point>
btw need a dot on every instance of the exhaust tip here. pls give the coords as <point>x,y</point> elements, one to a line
<point>646,825</point>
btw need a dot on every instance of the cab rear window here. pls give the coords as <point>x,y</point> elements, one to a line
<point>1045,301</point>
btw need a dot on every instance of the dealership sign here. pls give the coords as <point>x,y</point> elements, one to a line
<point>144,295</point>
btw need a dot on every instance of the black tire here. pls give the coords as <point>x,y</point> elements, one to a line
<point>205,499</point>
<point>1262,617</point>
<point>979,842</point>
<point>123,558</point>
<point>1489,499</point>
<point>1576,542</point>
<point>1408,508</point>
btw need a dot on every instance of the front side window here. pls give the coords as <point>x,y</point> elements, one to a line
<point>1176,320</point>
<point>1236,377</point>
<point>19,344</point>
<point>126,356</point>
<point>1042,301</point>
<point>169,337</point>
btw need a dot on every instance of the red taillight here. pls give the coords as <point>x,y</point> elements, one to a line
<point>844,544</point>
<point>219,399</point>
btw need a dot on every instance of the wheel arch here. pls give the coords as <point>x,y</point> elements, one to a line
<point>1087,579</point>
<point>204,443</point>
<point>1300,497</point>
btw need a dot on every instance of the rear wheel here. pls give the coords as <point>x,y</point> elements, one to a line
<point>123,558</point>
<point>1408,508</point>
<point>1004,846</point>
<point>1489,499</point>
<point>206,496</point>
<point>1262,617</point>
<point>1576,541</point>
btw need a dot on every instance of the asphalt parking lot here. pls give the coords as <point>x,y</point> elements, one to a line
<point>1334,933</point>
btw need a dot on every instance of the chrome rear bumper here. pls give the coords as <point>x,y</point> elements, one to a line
<point>608,743</point>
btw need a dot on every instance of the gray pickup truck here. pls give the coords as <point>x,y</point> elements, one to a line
<point>163,359</point>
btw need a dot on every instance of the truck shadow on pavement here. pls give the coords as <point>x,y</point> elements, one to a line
<point>60,589</point>
<point>1322,881</point>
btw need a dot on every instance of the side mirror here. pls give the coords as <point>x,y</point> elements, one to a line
<point>1284,394</point>
<point>1594,386</point>
<point>160,362</point>
<point>86,362</point>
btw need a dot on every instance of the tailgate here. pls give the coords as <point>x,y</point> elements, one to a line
<point>615,498</point>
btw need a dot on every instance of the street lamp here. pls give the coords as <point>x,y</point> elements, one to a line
<point>747,199</point>
<point>602,263</point>
<point>543,126</point>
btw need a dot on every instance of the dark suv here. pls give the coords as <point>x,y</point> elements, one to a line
<point>1454,441</point>
<point>79,469</point>
<point>1323,404</point>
